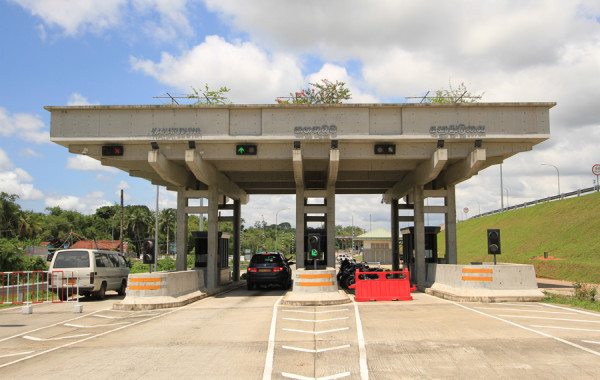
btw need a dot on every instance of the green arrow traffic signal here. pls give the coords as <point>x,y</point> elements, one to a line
<point>314,253</point>
<point>241,150</point>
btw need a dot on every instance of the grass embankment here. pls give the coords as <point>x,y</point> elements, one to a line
<point>569,230</point>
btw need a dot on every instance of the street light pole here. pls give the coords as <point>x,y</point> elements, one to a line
<point>276,235</point>
<point>557,176</point>
<point>507,204</point>
<point>501,191</point>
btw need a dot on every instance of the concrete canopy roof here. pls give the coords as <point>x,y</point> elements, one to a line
<point>196,145</point>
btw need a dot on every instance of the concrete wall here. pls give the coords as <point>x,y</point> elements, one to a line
<point>486,283</point>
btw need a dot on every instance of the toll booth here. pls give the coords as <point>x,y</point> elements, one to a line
<point>408,247</point>
<point>201,256</point>
<point>309,263</point>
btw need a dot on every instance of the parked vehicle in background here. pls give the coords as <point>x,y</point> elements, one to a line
<point>90,272</point>
<point>269,268</point>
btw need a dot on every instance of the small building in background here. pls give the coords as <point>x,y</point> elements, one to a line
<point>377,246</point>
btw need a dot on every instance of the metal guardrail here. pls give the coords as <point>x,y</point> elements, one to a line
<point>37,287</point>
<point>557,197</point>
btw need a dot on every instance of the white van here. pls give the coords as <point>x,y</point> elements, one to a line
<point>88,272</point>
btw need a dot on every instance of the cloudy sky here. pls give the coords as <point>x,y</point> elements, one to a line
<point>64,52</point>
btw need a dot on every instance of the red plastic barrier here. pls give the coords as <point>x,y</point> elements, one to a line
<point>382,286</point>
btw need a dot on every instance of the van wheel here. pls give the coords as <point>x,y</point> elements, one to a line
<point>122,289</point>
<point>101,294</point>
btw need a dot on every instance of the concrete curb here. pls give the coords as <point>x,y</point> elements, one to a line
<point>487,296</point>
<point>165,302</point>
<point>316,299</point>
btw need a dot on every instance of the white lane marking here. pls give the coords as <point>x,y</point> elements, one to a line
<point>562,328</point>
<point>298,377</point>
<point>590,341</point>
<point>528,311</point>
<point>549,318</point>
<point>315,351</point>
<point>526,328</point>
<point>126,316</point>
<point>16,354</point>
<point>52,325</point>
<point>317,332</point>
<point>91,327</point>
<point>50,339</point>
<point>315,321</point>
<point>364,368</point>
<point>575,310</point>
<point>271,345</point>
<point>519,304</point>
<point>315,312</point>
<point>91,337</point>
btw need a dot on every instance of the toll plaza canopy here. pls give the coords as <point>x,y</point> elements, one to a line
<point>215,152</point>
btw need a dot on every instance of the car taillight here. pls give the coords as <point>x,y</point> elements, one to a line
<point>277,269</point>
<point>252,269</point>
<point>91,277</point>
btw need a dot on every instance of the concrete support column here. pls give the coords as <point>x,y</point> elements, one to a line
<point>237,222</point>
<point>450,202</point>
<point>212,278</point>
<point>299,227</point>
<point>330,226</point>
<point>420,270</point>
<point>182,230</point>
<point>395,236</point>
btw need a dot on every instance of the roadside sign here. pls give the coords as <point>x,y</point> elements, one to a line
<point>596,169</point>
<point>466,210</point>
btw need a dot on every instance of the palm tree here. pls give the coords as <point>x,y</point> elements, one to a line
<point>138,221</point>
<point>29,225</point>
<point>167,221</point>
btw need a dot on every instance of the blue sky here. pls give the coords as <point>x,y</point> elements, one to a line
<point>61,52</point>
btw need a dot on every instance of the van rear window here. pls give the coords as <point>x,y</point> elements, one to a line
<point>72,259</point>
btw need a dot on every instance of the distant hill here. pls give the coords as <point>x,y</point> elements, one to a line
<point>569,230</point>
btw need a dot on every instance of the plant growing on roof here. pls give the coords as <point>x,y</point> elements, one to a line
<point>326,92</point>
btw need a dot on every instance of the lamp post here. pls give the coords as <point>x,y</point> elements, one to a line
<point>263,228</point>
<point>501,192</point>
<point>557,176</point>
<point>277,213</point>
<point>478,205</point>
<point>507,204</point>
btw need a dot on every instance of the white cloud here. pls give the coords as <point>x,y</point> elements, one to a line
<point>24,126</point>
<point>86,204</point>
<point>16,182</point>
<point>5,162</point>
<point>252,74</point>
<point>81,162</point>
<point>29,152</point>
<point>76,99</point>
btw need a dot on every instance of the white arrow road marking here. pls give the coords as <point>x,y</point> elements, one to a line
<point>48,339</point>
<point>91,327</point>
<point>315,312</point>
<point>317,332</point>
<point>293,376</point>
<point>315,321</point>
<point>17,354</point>
<point>316,351</point>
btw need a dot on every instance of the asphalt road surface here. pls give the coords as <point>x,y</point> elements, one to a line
<point>251,335</point>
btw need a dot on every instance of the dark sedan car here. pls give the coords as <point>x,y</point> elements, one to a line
<point>269,268</point>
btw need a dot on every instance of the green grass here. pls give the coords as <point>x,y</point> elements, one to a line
<point>568,229</point>
<point>572,301</point>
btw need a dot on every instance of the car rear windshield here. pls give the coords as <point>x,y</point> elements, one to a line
<point>266,259</point>
<point>72,259</point>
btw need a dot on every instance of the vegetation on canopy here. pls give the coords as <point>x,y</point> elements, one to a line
<point>326,92</point>
<point>458,94</point>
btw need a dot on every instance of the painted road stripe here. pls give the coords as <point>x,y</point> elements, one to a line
<point>315,351</point>
<point>590,341</point>
<point>526,328</point>
<point>364,368</point>
<point>91,327</point>
<point>49,339</point>
<point>529,311</point>
<point>17,354</point>
<point>549,318</point>
<point>271,346</point>
<point>315,312</point>
<point>127,316</point>
<point>317,332</point>
<point>575,310</point>
<point>562,328</point>
<point>315,321</point>
<point>298,377</point>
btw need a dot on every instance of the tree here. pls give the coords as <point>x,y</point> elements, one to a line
<point>29,225</point>
<point>326,92</point>
<point>137,222</point>
<point>208,96</point>
<point>454,95</point>
<point>9,214</point>
<point>167,220</point>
